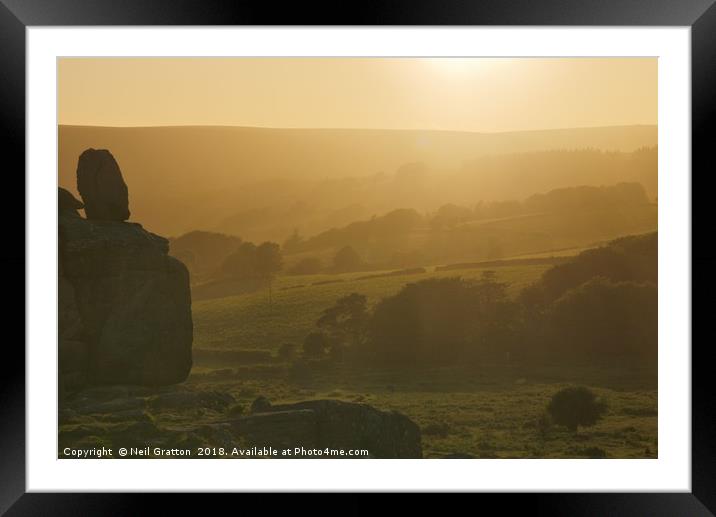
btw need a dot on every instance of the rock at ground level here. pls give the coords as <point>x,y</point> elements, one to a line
<point>332,424</point>
<point>128,416</point>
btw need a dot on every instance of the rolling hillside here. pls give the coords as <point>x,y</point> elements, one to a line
<point>186,178</point>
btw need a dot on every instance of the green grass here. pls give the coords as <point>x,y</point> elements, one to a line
<point>248,321</point>
<point>481,411</point>
<point>486,412</point>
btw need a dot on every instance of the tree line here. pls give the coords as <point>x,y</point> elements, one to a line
<point>599,307</point>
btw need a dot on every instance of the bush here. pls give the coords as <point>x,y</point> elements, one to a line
<point>236,410</point>
<point>314,346</point>
<point>442,321</point>
<point>604,320</point>
<point>575,406</point>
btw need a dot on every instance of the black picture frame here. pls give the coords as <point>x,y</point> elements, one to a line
<point>17,15</point>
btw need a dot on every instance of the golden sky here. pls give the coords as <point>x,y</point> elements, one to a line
<point>464,94</point>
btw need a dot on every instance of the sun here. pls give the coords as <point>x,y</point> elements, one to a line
<point>459,65</point>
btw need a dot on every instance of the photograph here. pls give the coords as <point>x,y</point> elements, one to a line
<point>357,257</point>
<point>457,239</point>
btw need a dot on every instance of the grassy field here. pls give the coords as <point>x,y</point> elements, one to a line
<point>249,321</point>
<point>483,412</point>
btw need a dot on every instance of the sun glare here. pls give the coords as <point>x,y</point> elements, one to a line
<point>459,65</point>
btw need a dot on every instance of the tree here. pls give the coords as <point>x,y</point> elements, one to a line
<point>449,216</point>
<point>314,346</point>
<point>575,406</point>
<point>241,264</point>
<point>347,259</point>
<point>604,321</point>
<point>442,321</point>
<point>345,322</point>
<point>269,260</point>
<point>633,258</point>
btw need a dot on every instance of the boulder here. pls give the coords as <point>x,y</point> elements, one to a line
<point>127,300</point>
<point>101,186</point>
<point>67,203</point>
<point>311,426</point>
<point>73,353</point>
<point>215,400</point>
<point>332,424</point>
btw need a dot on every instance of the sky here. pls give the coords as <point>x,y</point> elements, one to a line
<point>456,94</point>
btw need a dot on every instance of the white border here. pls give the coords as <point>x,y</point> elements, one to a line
<point>671,471</point>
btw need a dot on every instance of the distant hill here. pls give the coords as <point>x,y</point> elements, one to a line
<point>186,178</point>
<point>560,218</point>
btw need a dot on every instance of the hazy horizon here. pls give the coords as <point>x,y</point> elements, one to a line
<point>230,136</point>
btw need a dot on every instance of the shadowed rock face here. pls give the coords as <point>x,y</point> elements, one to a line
<point>133,302</point>
<point>67,203</point>
<point>100,183</point>
<point>332,424</point>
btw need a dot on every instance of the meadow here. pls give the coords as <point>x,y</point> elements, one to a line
<point>251,321</point>
<point>485,411</point>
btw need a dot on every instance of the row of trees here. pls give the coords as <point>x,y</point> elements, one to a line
<point>215,256</point>
<point>250,261</point>
<point>567,316</point>
<point>345,260</point>
<point>569,200</point>
<point>255,266</point>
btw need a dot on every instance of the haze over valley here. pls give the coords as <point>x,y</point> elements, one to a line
<point>261,184</point>
<point>425,257</point>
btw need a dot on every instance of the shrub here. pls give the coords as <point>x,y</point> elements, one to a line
<point>575,406</point>
<point>336,352</point>
<point>604,320</point>
<point>442,321</point>
<point>345,322</point>
<point>236,410</point>
<point>314,346</point>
